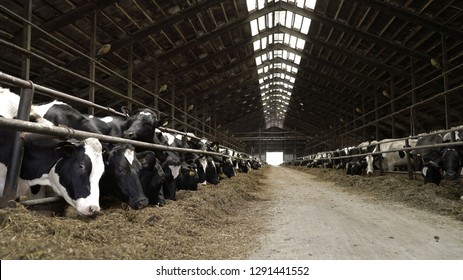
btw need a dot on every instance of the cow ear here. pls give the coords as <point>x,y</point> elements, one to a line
<point>164,121</point>
<point>65,148</point>
<point>126,111</point>
<point>146,158</point>
<point>215,145</point>
<point>105,150</point>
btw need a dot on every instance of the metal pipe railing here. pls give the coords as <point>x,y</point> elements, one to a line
<point>100,66</point>
<point>69,133</point>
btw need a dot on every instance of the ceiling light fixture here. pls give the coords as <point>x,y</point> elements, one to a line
<point>435,63</point>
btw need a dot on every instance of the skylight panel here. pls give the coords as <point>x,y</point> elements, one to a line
<point>254,29</point>
<point>281,17</point>
<point>276,79</point>
<point>310,4</point>
<point>251,5</point>
<point>297,21</point>
<point>270,20</point>
<point>300,44</point>
<point>305,25</point>
<point>291,56</point>
<point>287,39</point>
<point>262,24</point>
<point>289,19</point>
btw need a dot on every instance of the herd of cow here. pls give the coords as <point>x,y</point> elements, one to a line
<point>436,156</point>
<point>82,171</point>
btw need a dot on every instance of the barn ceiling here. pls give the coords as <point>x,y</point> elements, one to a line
<point>333,68</point>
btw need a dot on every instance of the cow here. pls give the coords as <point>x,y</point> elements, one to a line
<point>180,172</point>
<point>357,162</point>
<point>121,176</point>
<point>226,165</point>
<point>63,114</point>
<point>390,161</point>
<point>9,107</point>
<point>152,178</point>
<point>205,164</point>
<point>437,163</point>
<point>138,125</point>
<point>458,135</point>
<point>207,171</point>
<point>72,169</point>
<point>122,166</point>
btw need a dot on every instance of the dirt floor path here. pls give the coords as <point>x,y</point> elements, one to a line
<point>310,219</point>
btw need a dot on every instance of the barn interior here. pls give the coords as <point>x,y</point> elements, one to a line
<point>261,76</point>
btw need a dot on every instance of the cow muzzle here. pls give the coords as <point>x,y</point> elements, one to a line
<point>90,211</point>
<point>140,203</point>
<point>129,135</point>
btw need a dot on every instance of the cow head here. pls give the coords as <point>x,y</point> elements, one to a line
<point>227,167</point>
<point>355,167</point>
<point>450,163</point>
<point>77,173</point>
<point>142,124</point>
<point>152,177</point>
<point>188,177</point>
<point>446,166</point>
<point>212,176</point>
<point>122,175</point>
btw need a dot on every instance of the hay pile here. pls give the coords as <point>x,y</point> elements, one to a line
<point>443,199</point>
<point>215,222</point>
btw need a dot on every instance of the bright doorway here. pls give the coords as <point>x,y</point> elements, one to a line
<point>274,158</point>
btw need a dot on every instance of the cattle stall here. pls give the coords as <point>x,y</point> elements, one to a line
<point>371,152</point>
<point>31,131</point>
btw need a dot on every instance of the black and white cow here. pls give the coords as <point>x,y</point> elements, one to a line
<point>122,167</point>
<point>121,176</point>
<point>72,170</point>
<point>152,178</point>
<point>437,163</point>
<point>139,125</point>
<point>390,161</point>
<point>357,162</point>
<point>9,107</point>
<point>187,170</point>
<point>225,166</point>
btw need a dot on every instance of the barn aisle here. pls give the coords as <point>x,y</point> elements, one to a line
<point>310,219</point>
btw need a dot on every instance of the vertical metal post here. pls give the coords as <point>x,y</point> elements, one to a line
<point>156,87</point>
<point>413,118</point>
<point>130,76</point>
<point>92,68</point>
<point>172,108</point>
<point>195,114</point>
<point>27,34</point>
<point>24,107</point>
<point>260,142</point>
<point>14,167</point>
<point>392,90</point>
<point>185,108</point>
<point>409,162</point>
<point>376,116</point>
<point>203,123</point>
<point>446,80</point>
<point>364,132</point>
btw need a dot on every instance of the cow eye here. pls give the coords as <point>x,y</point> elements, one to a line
<point>120,170</point>
<point>82,166</point>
